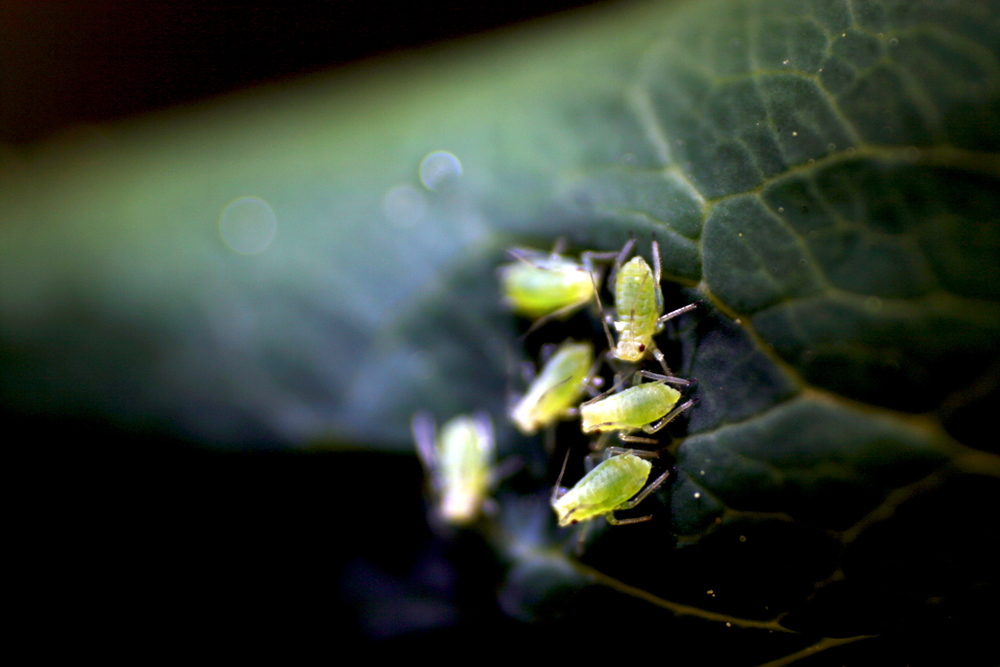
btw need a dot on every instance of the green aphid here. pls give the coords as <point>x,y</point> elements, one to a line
<point>639,307</point>
<point>549,285</point>
<point>556,390</point>
<point>609,487</point>
<point>459,463</point>
<point>648,406</point>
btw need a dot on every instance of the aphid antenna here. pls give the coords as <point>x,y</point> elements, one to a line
<point>616,387</point>
<point>620,258</point>
<point>558,490</point>
<point>558,247</point>
<point>657,266</point>
<point>523,255</point>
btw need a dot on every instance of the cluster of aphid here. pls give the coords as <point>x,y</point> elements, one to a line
<point>546,286</point>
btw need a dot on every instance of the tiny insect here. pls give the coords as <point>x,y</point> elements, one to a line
<point>648,406</point>
<point>556,390</point>
<point>606,489</point>
<point>639,307</point>
<point>549,285</point>
<point>459,463</point>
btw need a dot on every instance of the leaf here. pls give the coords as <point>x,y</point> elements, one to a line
<point>821,175</point>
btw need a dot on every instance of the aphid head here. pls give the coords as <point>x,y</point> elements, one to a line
<point>630,350</point>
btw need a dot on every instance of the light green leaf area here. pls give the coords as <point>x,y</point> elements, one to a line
<point>824,176</point>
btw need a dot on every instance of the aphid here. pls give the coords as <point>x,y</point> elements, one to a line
<point>639,307</point>
<point>459,463</point>
<point>556,390</point>
<point>606,489</point>
<point>643,406</point>
<point>549,285</point>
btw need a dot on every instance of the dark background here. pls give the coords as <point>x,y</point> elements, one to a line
<point>127,530</point>
<point>70,61</point>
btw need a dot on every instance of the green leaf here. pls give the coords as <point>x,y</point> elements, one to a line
<point>822,175</point>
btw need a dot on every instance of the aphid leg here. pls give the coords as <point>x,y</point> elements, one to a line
<point>601,441</point>
<point>423,429</point>
<point>581,537</point>
<point>604,317</point>
<point>505,469</point>
<point>565,310</point>
<point>550,439</point>
<point>635,438</point>
<point>484,433</point>
<point>610,516</point>
<point>422,426</point>
<point>594,381</point>
<point>645,492</point>
<point>653,428</point>
<point>659,357</point>
<point>546,352</point>
<point>674,313</point>
<point>668,379</point>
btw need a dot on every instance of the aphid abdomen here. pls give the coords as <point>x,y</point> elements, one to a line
<point>465,458</point>
<point>603,489</point>
<point>630,409</point>
<point>638,305</point>
<point>557,388</point>
<point>543,288</point>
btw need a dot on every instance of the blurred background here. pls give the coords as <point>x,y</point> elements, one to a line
<point>136,515</point>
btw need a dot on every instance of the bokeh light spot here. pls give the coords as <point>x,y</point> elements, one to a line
<point>248,225</point>
<point>440,169</point>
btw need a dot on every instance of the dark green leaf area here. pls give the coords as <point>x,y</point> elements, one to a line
<point>541,588</point>
<point>692,509</point>
<point>886,299</point>
<point>931,562</point>
<point>890,355</point>
<point>735,378</point>
<point>755,569</point>
<point>636,201</point>
<point>817,462</point>
<point>609,140</point>
<point>752,259</point>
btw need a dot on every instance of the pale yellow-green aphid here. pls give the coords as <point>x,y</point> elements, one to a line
<point>609,487</point>
<point>459,463</point>
<point>557,389</point>
<point>648,406</point>
<point>639,307</point>
<point>549,285</point>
